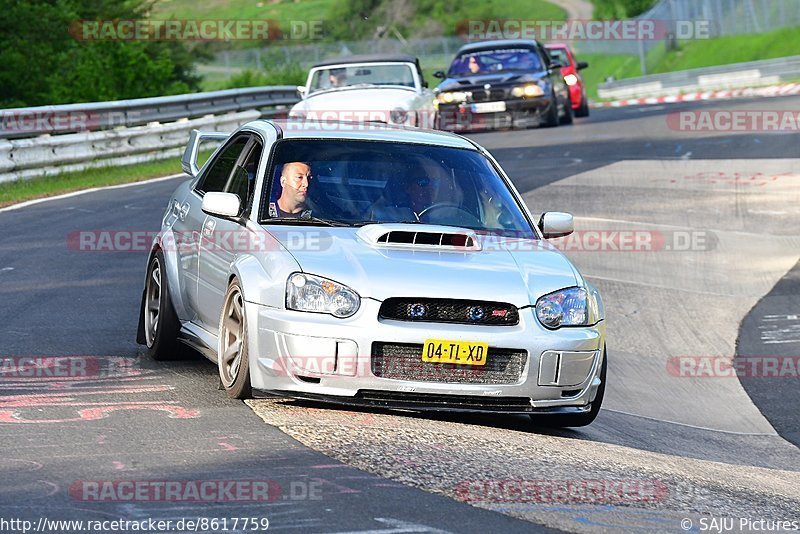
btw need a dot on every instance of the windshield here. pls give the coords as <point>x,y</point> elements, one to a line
<point>350,75</point>
<point>489,61</point>
<point>363,182</point>
<point>559,54</point>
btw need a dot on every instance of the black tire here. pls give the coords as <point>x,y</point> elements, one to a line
<point>160,330</point>
<point>583,109</point>
<point>578,419</point>
<point>551,120</point>
<point>234,377</point>
<point>567,117</point>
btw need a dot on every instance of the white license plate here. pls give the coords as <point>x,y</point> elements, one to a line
<point>488,107</point>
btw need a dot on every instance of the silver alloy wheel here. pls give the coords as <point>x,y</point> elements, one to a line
<point>152,303</point>
<point>231,338</point>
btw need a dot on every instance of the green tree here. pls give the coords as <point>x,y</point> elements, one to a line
<point>620,9</point>
<point>358,18</point>
<point>42,63</point>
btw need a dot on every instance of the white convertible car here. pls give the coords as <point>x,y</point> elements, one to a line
<point>378,88</point>
<point>375,265</point>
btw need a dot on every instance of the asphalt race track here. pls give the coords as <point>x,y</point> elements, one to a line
<point>719,213</point>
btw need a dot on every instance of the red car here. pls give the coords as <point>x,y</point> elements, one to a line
<point>577,89</point>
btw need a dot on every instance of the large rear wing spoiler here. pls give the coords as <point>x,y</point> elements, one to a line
<point>189,160</point>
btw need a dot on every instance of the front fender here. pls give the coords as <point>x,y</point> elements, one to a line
<point>263,279</point>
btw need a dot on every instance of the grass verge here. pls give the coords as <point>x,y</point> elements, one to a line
<point>48,186</point>
<point>692,55</point>
<point>446,15</point>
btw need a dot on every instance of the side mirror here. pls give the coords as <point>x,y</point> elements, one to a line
<point>581,65</point>
<point>302,90</point>
<point>439,74</point>
<point>224,205</point>
<point>556,224</point>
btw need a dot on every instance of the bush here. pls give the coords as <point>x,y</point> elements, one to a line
<point>291,74</point>
<point>43,64</point>
<point>620,9</point>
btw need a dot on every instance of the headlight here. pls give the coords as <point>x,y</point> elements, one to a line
<point>309,293</point>
<point>573,306</point>
<point>450,97</point>
<point>571,79</point>
<point>398,115</point>
<point>527,90</point>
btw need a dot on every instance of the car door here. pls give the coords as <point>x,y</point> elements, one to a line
<point>223,239</point>
<point>214,177</point>
<point>560,88</point>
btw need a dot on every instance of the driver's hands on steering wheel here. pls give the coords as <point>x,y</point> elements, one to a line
<point>463,217</point>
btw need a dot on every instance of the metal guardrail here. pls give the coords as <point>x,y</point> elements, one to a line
<point>736,75</point>
<point>48,155</point>
<point>18,123</point>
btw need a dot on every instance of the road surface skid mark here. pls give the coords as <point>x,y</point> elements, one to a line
<point>48,407</point>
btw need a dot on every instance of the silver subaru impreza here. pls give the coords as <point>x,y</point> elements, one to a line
<point>365,264</point>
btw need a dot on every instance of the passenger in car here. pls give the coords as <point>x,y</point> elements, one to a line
<point>405,198</point>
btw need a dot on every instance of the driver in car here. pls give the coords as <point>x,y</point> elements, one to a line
<point>421,192</point>
<point>337,78</point>
<point>295,178</point>
<point>474,65</point>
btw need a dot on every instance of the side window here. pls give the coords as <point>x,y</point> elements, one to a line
<point>215,179</point>
<point>544,57</point>
<point>243,179</point>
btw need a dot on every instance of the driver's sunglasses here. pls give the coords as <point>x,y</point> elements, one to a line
<point>425,182</point>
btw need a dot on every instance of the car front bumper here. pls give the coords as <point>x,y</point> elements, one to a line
<point>576,96</point>
<point>519,113</point>
<point>317,356</point>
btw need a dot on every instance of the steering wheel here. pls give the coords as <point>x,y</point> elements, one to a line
<point>463,217</point>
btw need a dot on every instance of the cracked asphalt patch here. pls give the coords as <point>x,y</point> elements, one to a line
<point>454,455</point>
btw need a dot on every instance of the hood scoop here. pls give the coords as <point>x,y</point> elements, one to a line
<point>419,236</point>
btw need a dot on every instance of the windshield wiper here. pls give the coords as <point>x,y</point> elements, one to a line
<point>306,220</point>
<point>307,217</point>
<point>364,223</point>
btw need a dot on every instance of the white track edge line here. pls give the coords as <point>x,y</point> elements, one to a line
<point>35,201</point>
<point>697,427</point>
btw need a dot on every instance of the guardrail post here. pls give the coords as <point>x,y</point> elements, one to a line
<point>642,59</point>
<point>6,163</point>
